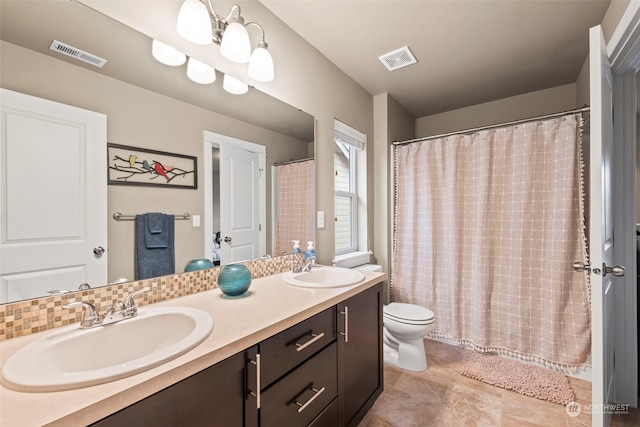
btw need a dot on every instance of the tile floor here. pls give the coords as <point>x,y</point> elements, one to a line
<point>440,396</point>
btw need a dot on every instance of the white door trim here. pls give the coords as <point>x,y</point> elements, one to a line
<point>624,46</point>
<point>211,140</point>
<point>624,53</point>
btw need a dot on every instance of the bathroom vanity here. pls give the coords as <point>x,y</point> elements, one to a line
<point>280,356</point>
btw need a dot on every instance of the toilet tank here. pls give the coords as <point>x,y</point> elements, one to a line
<point>352,259</point>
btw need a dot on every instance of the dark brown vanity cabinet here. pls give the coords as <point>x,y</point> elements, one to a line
<point>325,371</point>
<point>360,363</point>
<point>216,396</point>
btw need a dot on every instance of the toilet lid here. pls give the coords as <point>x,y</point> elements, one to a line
<point>410,312</point>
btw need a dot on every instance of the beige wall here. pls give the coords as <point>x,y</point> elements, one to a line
<point>140,118</point>
<point>532,104</point>
<point>392,123</point>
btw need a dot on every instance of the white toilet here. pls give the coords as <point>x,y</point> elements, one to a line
<point>405,326</point>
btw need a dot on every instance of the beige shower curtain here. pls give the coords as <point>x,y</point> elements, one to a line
<point>486,229</point>
<point>295,205</point>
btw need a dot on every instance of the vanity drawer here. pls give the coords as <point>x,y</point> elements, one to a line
<point>298,399</point>
<point>289,348</point>
<point>328,417</point>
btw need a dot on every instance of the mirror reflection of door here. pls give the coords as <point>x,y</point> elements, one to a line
<point>235,199</point>
<point>54,231</point>
<point>240,197</point>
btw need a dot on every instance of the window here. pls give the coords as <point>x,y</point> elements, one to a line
<point>348,144</point>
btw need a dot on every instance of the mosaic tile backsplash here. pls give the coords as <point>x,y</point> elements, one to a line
<point>36,315</point>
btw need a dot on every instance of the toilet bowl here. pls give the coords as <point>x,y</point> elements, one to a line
<point>405,326</point>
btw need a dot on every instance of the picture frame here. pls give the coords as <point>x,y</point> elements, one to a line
<point>128,165</point>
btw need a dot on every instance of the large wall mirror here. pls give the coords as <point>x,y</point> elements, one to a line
<point>150,106</point>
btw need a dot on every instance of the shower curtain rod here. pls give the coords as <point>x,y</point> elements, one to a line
<point>293,161</point>
<point>514,122</point>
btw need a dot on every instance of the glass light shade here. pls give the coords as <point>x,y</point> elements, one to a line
<point>261,65</point>
<point>235,44</point>
<point>194,23</point>
<point>234,86</point>
<point>200,72</point>
<point>167,54</point>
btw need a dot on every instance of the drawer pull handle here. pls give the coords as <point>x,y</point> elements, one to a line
<point>314,338</point>
<point>303,406</point>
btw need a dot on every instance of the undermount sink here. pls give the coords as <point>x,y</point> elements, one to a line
<point>73,358</point>
<point>324,277</point>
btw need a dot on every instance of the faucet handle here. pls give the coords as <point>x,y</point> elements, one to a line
<point>129,302</point>
<point>90,317</point>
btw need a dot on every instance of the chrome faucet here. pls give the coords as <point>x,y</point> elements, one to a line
<point>90,317</point>
<point>118,311</point>
<point>299,267</point>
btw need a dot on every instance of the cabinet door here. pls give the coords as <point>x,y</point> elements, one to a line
<point>213,397</point>
<point>360,379</point>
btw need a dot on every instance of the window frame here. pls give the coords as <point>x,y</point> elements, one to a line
<point>353,196</point>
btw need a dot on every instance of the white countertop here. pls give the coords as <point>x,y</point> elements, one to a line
<point>271,307</point>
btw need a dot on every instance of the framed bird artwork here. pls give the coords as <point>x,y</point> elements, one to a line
<point>140,166</point>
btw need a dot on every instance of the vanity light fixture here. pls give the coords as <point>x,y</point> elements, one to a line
<point>197,71</point>
<point>233,85</point>
<point>199,23</point>
<point>200,72</point>
<point>167,54</point>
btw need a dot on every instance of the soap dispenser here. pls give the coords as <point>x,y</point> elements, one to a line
<point>310,252</point>
<point>296,246</point>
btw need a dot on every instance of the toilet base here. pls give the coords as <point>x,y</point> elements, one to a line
<point>409,355</point>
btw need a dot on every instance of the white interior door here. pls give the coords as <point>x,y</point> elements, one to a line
<point>243,198</point>
<point>240,204</point>
<point>54,197</point>
<point>601,228</point>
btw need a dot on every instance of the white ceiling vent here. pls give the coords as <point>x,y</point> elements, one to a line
<point>73,52</point>
<point>398,58</point>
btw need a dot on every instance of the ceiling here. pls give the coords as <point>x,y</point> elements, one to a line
<point>469,52</point>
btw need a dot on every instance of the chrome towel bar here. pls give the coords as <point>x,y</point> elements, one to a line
<point>121,217</point>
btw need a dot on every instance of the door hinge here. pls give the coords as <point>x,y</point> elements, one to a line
<point>259,227</point>
<point>260,172</point>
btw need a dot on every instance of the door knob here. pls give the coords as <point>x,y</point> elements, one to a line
<point>616,270</point>
<point>98,251</point>
<point>580,266</point>
<point>227,239</point>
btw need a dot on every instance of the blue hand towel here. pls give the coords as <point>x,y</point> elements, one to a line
<point>158,260</point>
<point>156,222</point>
<point>156,233</point>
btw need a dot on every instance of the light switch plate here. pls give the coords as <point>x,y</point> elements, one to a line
<point>196,220</point>
<point>320,219</point>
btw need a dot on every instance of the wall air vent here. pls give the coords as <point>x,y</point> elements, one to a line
<point>73,52</point>
<point>397,59</point>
